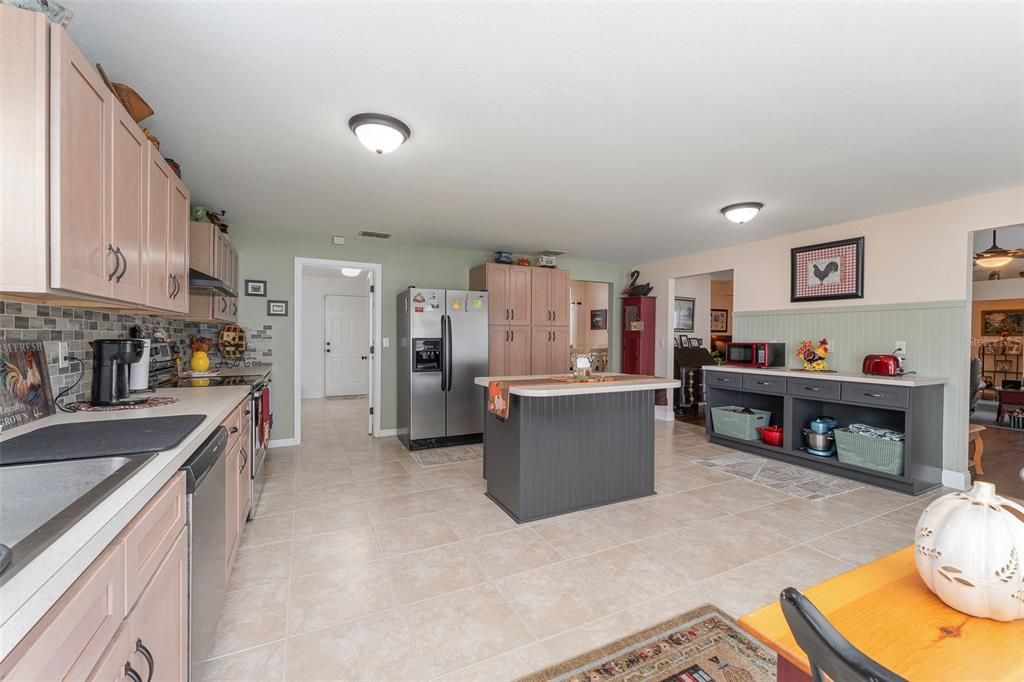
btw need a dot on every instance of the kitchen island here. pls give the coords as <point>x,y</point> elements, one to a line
<point>570,446</point>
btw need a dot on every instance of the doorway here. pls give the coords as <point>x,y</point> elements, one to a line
<point>346,341</point>
<point>588,322</point>
<point>336,341</point>
<point>996,398</point>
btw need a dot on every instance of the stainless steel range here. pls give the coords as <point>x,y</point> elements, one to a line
<point>257,378</point>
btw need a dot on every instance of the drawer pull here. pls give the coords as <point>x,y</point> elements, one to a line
<point>874,395</point>
<point>141,648</point>
<point>763,383</point>
<point>233,429</point>
<point>812,388</point>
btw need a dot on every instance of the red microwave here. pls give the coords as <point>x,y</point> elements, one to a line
<point>755,354</point>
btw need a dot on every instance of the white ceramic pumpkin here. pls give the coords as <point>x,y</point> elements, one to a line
<point>969,549</point>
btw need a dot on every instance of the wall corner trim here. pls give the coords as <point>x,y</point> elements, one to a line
<point>958,480</point>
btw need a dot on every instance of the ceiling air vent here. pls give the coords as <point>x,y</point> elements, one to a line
<point>370,234</point>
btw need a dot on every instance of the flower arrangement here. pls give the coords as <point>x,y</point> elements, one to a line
<point>813,355</point>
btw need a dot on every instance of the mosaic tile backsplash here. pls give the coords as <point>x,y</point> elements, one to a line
<point>78,326</point>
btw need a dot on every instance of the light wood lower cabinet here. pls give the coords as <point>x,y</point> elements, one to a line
<point>508,350</point>
<point>238,465</point>
<point>550,350</point>
<point>93,629</point>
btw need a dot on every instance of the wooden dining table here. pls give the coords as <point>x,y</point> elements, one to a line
<point>884,609</point>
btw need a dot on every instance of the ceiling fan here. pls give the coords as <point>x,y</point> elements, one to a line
<point>996,257</point>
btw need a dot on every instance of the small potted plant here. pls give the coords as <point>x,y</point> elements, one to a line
<point>814,355</point>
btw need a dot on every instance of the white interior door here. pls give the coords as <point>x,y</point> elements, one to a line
<point>346,351</point>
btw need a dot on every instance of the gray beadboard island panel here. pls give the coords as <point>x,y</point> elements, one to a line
<point>556,455</point>
<point>938,344</point>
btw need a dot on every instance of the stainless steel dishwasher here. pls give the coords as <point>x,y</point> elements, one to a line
<point>205,477</point>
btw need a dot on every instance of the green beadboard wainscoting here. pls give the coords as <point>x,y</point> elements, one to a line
<point>936,334</point>
<point>270,255</point>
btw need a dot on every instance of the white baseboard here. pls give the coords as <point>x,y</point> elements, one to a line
<point>958,480</point>
<point>283,443</point>
<point>665,413</point>
<point>387,433</point>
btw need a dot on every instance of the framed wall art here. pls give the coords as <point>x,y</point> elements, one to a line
<point>599,319</point>
<point>719,320</point>
<point>255,287</point>
<point>277,308</point>
<point>997,322</point>
<point>827,272</point>
<point>682,318</point>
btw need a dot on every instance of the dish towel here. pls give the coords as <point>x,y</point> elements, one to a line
<point>875,432</point>
<point>497,399</point>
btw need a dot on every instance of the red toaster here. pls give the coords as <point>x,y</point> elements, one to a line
<point>883,365</point>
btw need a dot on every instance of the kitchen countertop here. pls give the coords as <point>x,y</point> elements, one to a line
<point>38,585</point>
<point>558,388</point>
<point>263,369</point>
<point>906,380</point>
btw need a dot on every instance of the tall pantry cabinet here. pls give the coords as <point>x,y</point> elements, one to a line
<point>528,314</point>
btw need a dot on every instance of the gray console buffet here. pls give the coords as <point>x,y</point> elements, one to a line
<point>912,405</point>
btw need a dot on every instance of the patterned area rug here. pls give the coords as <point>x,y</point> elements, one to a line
<point>453,455</point>
<point>704,645</point>
<point>795,480</point>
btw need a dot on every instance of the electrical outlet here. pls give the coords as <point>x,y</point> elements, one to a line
<point>901,349</point>
<point>386,342</point>
<point>62,354</point>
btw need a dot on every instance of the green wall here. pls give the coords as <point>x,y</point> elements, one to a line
<point>270,255</point>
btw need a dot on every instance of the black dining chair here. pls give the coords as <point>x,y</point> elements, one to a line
<point>828,651</point>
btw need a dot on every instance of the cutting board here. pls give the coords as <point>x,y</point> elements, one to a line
<point>101,438</point>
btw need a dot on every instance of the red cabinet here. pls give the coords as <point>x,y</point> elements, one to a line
<point>638,330</point>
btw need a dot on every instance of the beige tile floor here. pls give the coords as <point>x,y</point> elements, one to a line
<point>363,564</point>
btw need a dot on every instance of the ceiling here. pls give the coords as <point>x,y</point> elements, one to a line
<point>610,131</point>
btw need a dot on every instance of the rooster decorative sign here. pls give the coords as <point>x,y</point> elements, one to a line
<point>826,272</point>
<point>25,394</point>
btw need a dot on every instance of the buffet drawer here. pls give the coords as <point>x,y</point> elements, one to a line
<point>763,383</point>
<point>723,379</point>
<point>876,394</point>
<point>820,389</point>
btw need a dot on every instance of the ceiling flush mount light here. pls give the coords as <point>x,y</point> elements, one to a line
<point>995,257</point>
<point>351,272</point>
<point>742,213</point>
<point>379,132</point>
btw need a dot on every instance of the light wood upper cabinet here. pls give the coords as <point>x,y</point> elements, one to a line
<point>159,620</point>
<point>508,289</point>
<point>178,262</point>
<point>159,283</point>
<point>550,297</point>
<point>129,215</point>
<point>82,253</point>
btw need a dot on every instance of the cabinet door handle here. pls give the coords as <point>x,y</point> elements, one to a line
<point>130,673</point>
<point>233,429</point>
<point>554,315</point>
<point>873,395</point>
<point>506,313</point>
<point>124,262</point>
<point>247,413</point>
<point>506,336</point>
<point>223,304</point>
<point>146,654</point>
<point>813,389</point>
<point>513,333</point>
<point>117,262</point>
<point>234,308</point>
<point>245,460</point>
<point>513,313</point>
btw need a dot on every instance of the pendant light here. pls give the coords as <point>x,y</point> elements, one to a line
<point>379,132</point>
<point>742,213</point>
<point>995,257</point>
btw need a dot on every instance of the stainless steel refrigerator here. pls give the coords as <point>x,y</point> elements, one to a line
<point>442,348</point>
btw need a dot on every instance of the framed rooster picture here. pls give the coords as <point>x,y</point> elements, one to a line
<point>25,394</point>
<point>827,272</point>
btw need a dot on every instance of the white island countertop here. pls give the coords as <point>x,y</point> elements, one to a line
<point>908,380</point>
<point>39,584</point>
<point>545,387</point>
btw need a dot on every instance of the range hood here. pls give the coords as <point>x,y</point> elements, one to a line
<point>202,282</point>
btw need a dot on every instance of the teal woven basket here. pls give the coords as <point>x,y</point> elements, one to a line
<point>736,424</point>
<point>877,454</point>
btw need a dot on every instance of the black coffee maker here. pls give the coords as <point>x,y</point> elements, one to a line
<point>111,366</point>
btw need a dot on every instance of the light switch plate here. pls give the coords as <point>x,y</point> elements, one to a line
<point>386,342</point>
